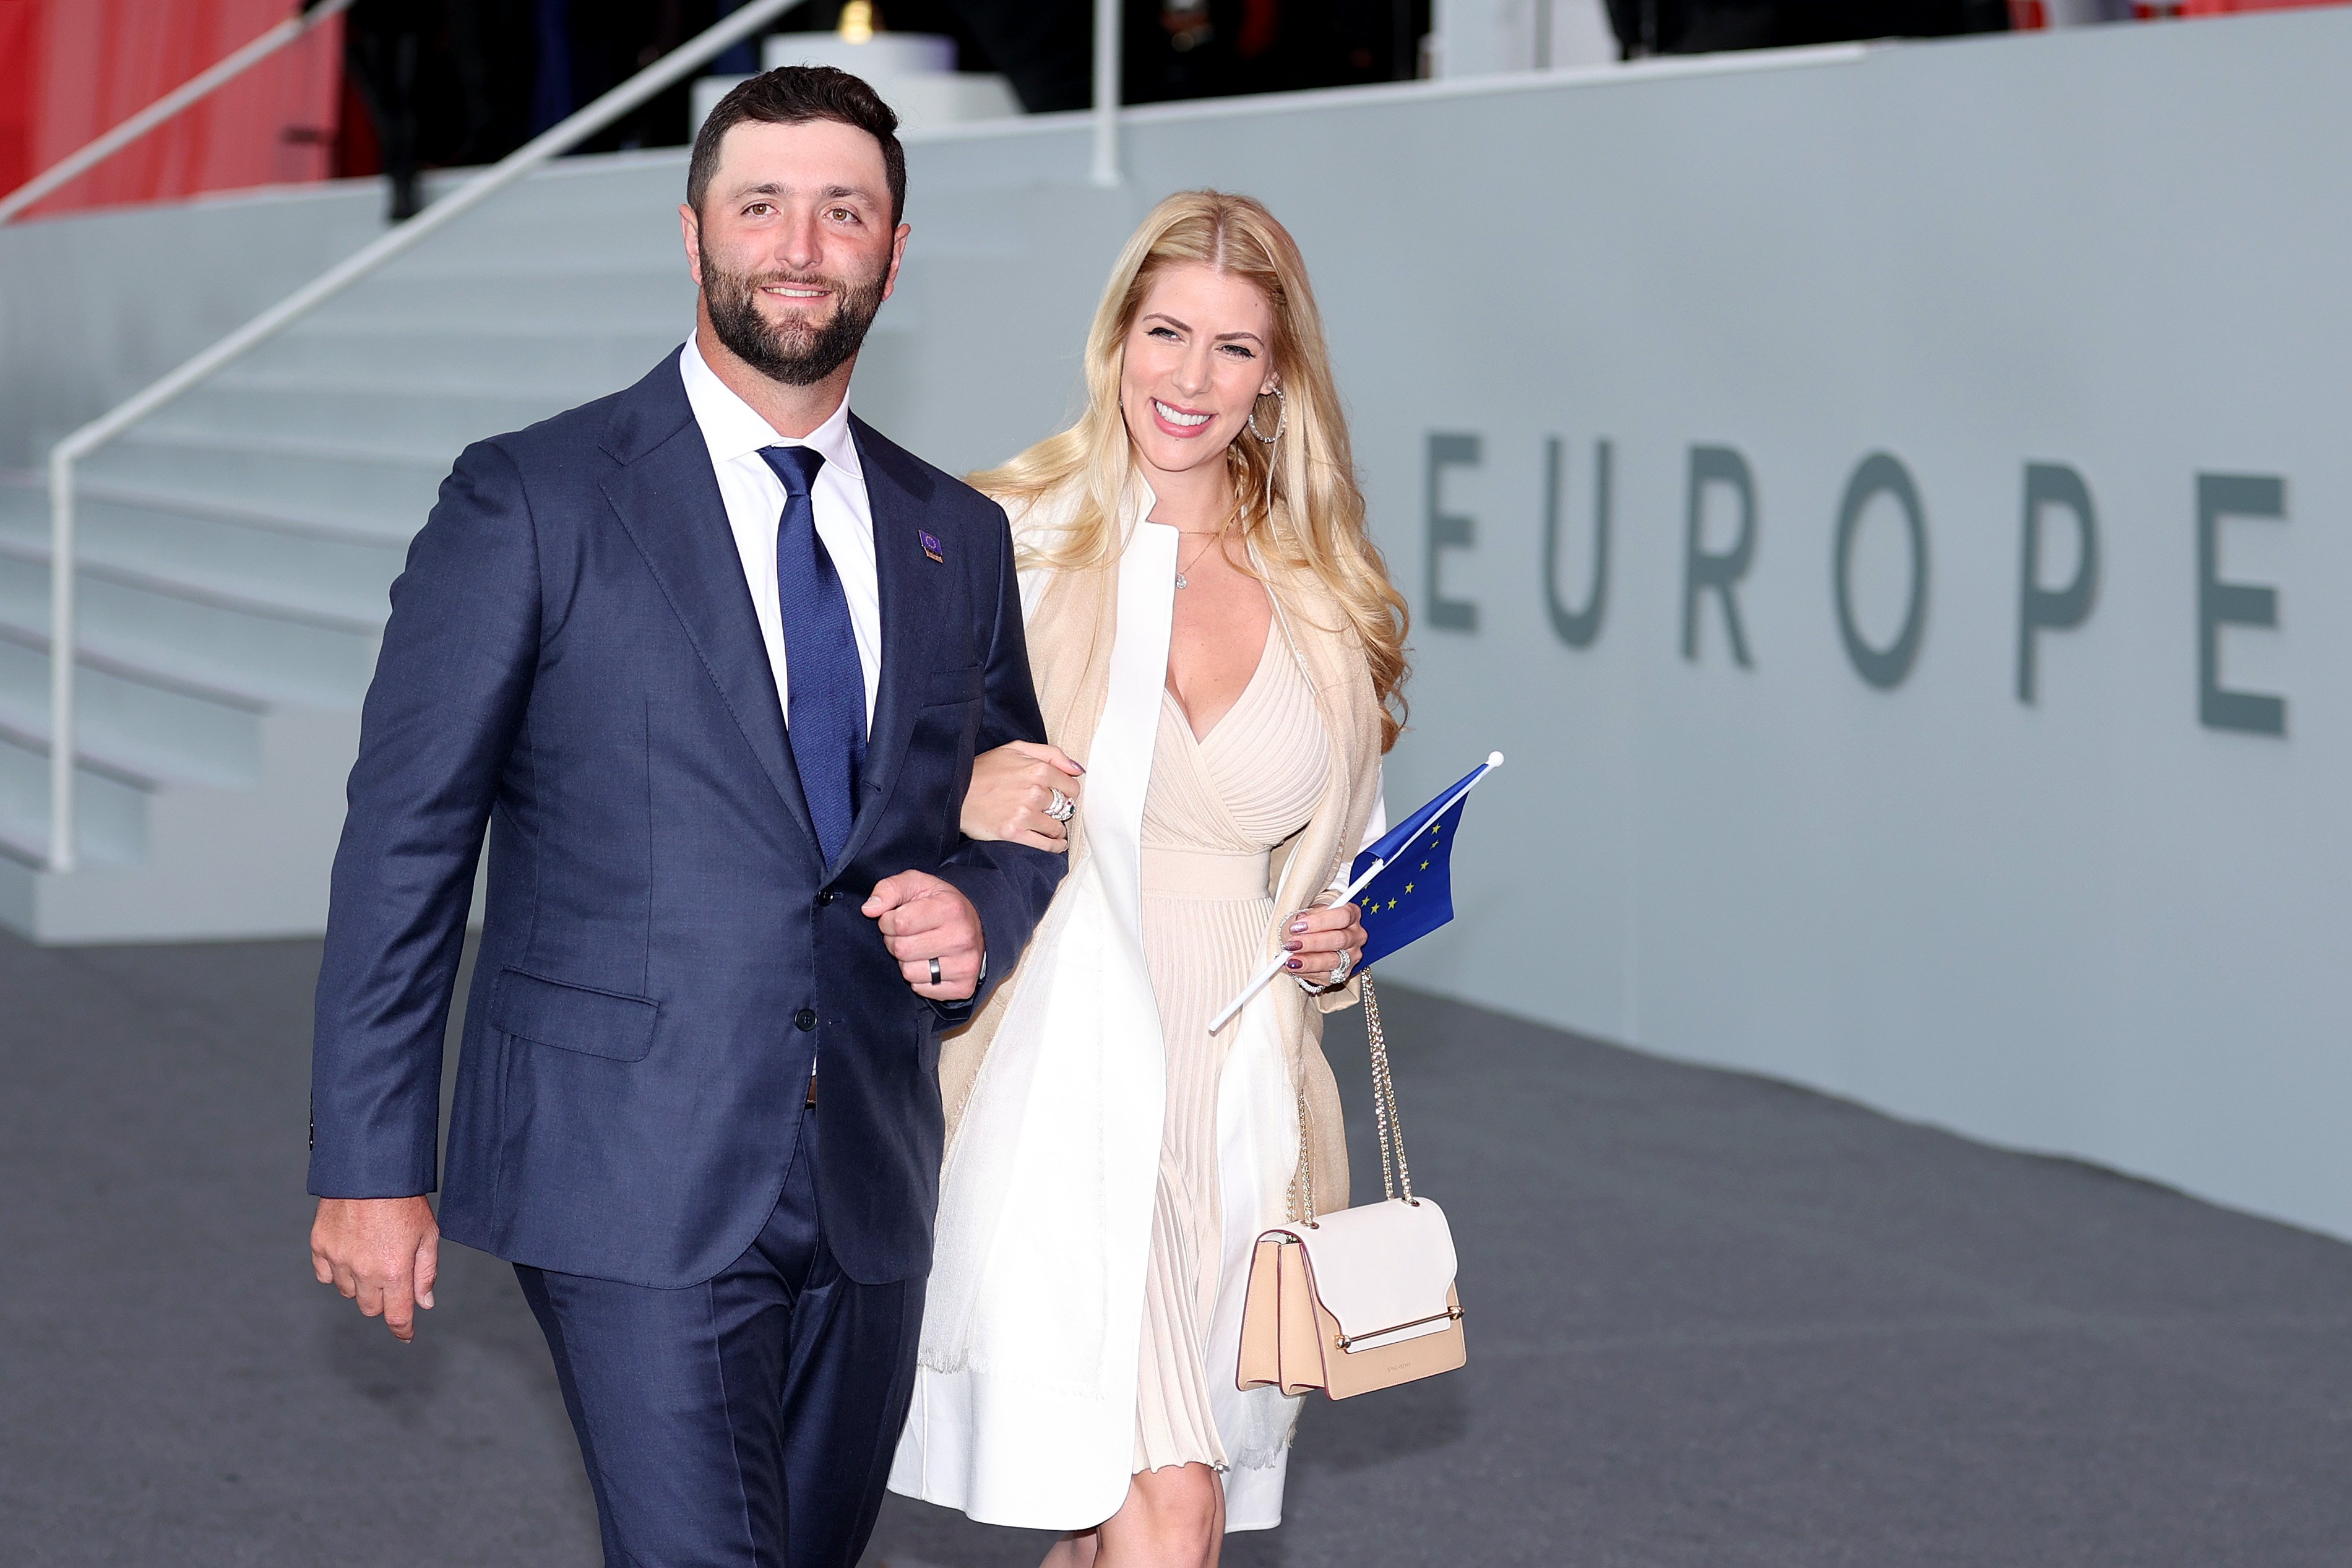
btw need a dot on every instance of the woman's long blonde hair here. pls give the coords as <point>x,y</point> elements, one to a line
<point>1297,501</point>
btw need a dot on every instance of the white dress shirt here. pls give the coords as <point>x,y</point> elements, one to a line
<point>755,507</point>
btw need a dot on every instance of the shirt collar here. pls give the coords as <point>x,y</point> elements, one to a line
<point>732,428</point>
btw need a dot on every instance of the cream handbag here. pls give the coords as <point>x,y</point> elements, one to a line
<point>1361,1299</point>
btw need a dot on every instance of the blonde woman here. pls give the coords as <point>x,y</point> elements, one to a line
<point>1215,639</point>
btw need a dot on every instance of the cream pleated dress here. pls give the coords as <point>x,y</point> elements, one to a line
<point>1214,810</point>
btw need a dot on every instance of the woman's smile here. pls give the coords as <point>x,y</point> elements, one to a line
<point>1175,419</point>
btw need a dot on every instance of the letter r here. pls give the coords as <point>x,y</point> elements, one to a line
<point>1718,572</point>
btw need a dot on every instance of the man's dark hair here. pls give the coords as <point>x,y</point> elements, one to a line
<point>794,94</point>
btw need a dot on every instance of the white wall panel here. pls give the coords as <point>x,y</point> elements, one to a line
<point>2093,924</point>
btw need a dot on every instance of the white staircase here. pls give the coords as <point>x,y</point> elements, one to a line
<point>235,549</point>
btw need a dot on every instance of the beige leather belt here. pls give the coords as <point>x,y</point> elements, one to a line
<point>1204,873</point>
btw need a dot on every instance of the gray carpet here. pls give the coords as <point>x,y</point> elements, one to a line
<point>1713,1320</point>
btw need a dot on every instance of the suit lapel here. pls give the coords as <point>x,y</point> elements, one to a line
<point>909,590</point>
<point>667,502</point>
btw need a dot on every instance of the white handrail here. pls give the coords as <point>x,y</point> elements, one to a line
<point>1107,55</point>
<point>190,91</point>
<point>663,73</point>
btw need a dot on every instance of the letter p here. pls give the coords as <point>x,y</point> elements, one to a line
<point>2040,609</point>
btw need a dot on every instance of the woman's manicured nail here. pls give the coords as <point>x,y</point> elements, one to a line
<point>1298,926</point>
<point>1291,963</point>
<point>1292,946</point>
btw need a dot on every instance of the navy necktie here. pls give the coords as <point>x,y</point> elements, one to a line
<point>824,710</point>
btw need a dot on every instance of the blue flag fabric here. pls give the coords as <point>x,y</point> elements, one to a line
<point>1414,895</point>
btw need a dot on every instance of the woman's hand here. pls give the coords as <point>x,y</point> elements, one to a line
<point>1012,787</point>
<point>1324,943</point>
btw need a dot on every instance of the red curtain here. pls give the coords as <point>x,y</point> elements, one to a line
<point>18,35</point>
<point>70,70</point>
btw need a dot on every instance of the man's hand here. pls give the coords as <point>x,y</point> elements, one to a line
<point>382,1253</point>
<point>923,918</point>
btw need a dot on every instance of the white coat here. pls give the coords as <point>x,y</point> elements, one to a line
<point>1024,1400</point>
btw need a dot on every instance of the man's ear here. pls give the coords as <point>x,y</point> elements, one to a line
<point>689,229</point>
<point>897,255</point>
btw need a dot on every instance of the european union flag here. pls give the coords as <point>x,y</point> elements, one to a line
<point>1413,893</point>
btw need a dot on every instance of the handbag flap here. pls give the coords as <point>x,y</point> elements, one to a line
<point>1380,1266</point>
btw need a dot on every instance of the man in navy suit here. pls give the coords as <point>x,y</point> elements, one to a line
<point>711,660</point>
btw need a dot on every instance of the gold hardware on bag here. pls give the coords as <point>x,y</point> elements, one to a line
<point>1451,1314</point>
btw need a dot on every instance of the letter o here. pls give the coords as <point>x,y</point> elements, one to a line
<point>1884,667</point>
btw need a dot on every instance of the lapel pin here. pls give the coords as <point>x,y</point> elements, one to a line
<point>931,546</point>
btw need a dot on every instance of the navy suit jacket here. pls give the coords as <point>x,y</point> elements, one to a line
<point>573,658</point>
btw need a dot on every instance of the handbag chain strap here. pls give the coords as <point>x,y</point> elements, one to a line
<point>1302,1180</point>
<point>1395,1173</point>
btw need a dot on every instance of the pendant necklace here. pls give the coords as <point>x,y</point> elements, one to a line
<point>1182,565</point>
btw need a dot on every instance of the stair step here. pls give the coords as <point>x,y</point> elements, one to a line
<point>227,568</point>
<point>184,511</point>
<point>358,451</point>
<point>632,293</point>
<point>442,419</point>
<point>110,813</point>
<point>134,732</point>
<point>372,381</point>
<point>27,730</point>
<point>201,650</point>
<point>359,528</point>
<point>581,191</point>
<point>598,358</point>
<point>354,486</point>
<point>640,251</point>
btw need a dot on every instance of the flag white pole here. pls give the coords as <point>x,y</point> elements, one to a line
<point>1273,965</point>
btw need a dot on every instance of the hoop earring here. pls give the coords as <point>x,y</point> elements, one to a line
<point>1281,418</point>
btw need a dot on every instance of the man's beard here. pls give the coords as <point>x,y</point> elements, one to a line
<point>795,352</point>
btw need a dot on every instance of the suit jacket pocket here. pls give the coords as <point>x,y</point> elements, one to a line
<point>572,1017</point>
<point>965,685</point>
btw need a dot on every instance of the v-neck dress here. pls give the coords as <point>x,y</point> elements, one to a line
<point>1213,812</point>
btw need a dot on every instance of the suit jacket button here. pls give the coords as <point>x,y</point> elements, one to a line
<point>825,898</point>
<point>805,1019</point>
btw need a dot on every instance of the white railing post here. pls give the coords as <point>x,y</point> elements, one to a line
<point>1107,16</point>
<point>91,154</point>
<point>62,844</point>
<point>654,79</point>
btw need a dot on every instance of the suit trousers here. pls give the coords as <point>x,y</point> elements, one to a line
<point>748,1421</point>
